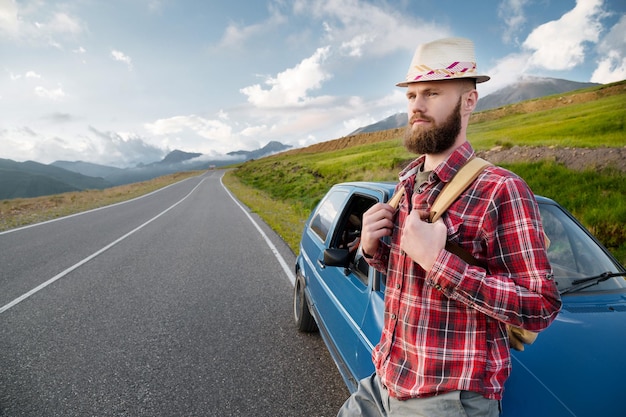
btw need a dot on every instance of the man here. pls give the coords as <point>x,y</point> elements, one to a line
<point>444,349</point>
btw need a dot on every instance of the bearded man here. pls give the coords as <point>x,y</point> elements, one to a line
<point>444,349</point>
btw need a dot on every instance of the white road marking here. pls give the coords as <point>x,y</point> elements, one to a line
<point>281,260</point>
<point>92,256</point>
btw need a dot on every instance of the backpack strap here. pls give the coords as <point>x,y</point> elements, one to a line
<point>464,177</point>
<point>452,190</point>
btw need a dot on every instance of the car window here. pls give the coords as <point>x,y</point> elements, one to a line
<point>572,253</point>
<point>348,233</point>
<point>327,212</point>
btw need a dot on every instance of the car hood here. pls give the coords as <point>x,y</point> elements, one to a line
<point>564,374</point>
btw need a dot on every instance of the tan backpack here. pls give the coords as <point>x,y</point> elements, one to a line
<point>464,177</point>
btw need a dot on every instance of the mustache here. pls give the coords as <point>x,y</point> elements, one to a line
<point>420,116</point>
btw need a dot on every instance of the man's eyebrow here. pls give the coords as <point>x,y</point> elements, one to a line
<point>424,91</point>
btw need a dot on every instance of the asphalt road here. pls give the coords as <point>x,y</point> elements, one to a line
<point>173,304</point>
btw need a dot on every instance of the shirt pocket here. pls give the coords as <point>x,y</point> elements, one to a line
<point>454,224</point>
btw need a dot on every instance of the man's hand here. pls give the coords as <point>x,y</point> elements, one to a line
<point>377,223</point>
<point>422,241</point>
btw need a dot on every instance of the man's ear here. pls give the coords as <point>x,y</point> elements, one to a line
<point>470,99</point>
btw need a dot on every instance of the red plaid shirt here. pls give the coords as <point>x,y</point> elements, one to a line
<point>445,330</point>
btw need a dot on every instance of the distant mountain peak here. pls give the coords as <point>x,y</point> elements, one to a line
<point>271,148</point>
<point>177,156</point>
<point>391,122</point>
<point>528,87</point>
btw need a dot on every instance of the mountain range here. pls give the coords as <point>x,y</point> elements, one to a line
<point>528,88</point>
<point>32,179</point>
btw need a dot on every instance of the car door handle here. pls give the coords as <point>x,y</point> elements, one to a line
<point>321,263</point>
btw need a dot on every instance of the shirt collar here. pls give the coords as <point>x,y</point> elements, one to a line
<point>447,169</point>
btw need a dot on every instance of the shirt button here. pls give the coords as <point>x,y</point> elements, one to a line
<point>393,317</point>
<point>398,286</point>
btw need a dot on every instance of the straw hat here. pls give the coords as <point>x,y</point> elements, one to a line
<point>443,59</point>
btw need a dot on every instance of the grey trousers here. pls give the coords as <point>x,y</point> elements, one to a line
<point>371,399</point>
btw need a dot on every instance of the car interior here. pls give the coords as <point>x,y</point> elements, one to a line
<point>349,234</point>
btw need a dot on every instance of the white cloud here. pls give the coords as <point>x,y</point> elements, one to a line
<point>355,46</point>
<point>506,72</point>
<point>200,134</point>
<point>362,29</point>
<point>32,74</point>
<point>56,94</point>
<point>512,12</point>
<point>560,44</point>
<point>222,115</point>
<point>109,148</point>
<point>291,86</point>
<point>121,149</point>
<point>16,23</point>
<point>212,129</point>
<point>61,23</point>
<point>612,49</point>
<point>121,57</point>
<point>235,35</point>
<point>255,131</point>
<point>18,143</point>
<point>9,20</point>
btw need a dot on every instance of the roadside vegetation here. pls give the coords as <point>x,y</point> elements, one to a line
<point>284,188</point>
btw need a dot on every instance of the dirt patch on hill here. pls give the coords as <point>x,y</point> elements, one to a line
<point>574,158</point>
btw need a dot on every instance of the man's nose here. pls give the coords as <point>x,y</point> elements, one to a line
<point>417,105</point>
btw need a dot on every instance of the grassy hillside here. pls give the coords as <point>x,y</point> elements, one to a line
<point>285,187</point>
<point>32,179</point>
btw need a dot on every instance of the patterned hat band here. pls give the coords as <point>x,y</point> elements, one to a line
<point>456,69</point>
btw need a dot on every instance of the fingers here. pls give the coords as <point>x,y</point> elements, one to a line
<point>377,223</point>
<point>422,241</point>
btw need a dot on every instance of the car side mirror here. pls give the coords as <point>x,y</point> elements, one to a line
<point>337,257</point>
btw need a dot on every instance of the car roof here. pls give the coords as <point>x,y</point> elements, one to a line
<point>370,185</point>
<point>389,186</point>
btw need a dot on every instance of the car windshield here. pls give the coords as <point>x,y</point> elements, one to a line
<point>574,255</point>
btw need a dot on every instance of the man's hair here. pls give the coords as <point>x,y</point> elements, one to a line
<point>469,83</point>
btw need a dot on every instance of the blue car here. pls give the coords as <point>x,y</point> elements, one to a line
<point>577,367</point>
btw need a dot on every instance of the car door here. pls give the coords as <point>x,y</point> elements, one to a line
<point>342,293</point>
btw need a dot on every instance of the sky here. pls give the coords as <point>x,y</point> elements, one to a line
<point>121,82</point>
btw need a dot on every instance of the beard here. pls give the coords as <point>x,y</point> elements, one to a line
<point>435,139</point>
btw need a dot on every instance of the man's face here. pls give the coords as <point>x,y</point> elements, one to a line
<point>434,110</point>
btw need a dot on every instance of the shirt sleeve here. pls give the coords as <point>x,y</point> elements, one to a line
<point>380,260</point>
<point>517,287</point>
